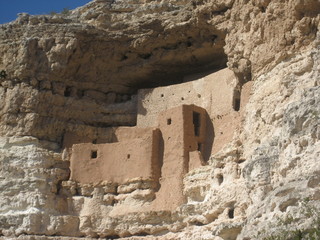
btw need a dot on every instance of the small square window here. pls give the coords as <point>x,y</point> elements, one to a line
<point>94,154</point>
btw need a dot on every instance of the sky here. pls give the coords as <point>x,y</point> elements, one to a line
<point>10,8</point>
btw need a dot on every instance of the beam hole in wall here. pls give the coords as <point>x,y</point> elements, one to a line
<point>128,156</point>
<point>94,154</point>
<point>236,100</point>
<point>67,91</point>
<point>231,213</point>
<point>162,95</point>
<point>196,123</point>
<point>169,121</point>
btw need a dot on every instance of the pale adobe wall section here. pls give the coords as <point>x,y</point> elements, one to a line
<point>216,93</point>
<point>174,166</point>
<point>213,92</point>
<point>183,131</point>
<point>128,133</point>
<point>117,162</point>
<point>106,135</point>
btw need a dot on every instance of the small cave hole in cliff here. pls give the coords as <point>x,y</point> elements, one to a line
<point>236,100</point>
<point>67,92</point>
<point>142,234</point>
<point>231,213</point>
<point>220,179</point>
<point>113,237</point>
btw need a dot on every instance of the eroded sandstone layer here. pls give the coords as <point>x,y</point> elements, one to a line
<point>74,78</point>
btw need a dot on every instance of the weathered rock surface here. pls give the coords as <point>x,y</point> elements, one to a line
<point>80,73</point>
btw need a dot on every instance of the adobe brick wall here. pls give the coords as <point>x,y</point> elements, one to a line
<point>117,162</point>
<point>161,154</point>
<point>214,92</point>
<point>172,137</point>
<point>180,138</point>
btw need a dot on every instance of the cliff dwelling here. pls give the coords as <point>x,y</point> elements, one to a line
<point>178,128</point>
<point>161,120</point>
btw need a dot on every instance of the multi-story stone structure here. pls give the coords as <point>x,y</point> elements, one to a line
<point>172,137</point>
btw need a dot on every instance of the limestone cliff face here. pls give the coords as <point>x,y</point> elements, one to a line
<point>80,73</point>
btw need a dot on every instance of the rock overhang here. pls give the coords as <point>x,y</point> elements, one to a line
<point>147,52</point>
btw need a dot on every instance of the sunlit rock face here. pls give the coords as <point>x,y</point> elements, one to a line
<point>84,73</point>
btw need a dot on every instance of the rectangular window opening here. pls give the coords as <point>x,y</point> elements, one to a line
<point>196,123</point>
<point>169,121</point>
<point>94,154</point>
<point>199,147</point>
